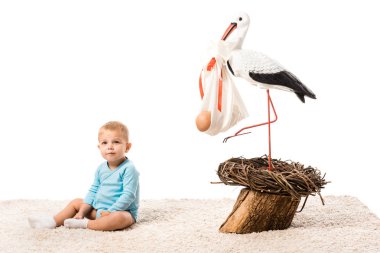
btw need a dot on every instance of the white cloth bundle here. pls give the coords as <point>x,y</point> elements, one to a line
<point>220,98</point>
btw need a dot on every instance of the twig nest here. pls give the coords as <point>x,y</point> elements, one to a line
<point>285,178</point>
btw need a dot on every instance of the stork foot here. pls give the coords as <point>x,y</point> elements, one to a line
<point>235,135</point>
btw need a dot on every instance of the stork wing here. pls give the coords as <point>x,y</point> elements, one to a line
<point>257,67</point>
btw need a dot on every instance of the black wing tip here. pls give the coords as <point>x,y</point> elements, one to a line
<point>301,96</point>
<point>286,79</point>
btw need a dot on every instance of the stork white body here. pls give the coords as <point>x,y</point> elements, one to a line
<point>255,67</point>
<point>242,62</point>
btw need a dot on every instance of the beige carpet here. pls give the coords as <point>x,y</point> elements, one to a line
<point>344,224</point>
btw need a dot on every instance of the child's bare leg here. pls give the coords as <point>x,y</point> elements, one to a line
<point>68,212</point>
<point>51,222</point>
<point>114,221</point>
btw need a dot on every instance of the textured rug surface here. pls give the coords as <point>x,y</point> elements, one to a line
<point>344,224</point>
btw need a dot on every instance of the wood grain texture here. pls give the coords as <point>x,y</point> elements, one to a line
<point>256,212</point>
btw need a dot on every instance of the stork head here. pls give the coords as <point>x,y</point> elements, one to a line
<point>237,30</point>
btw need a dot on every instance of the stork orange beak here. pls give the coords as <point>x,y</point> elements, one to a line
<point>229,30</point>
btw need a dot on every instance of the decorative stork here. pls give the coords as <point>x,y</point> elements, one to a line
<point>258,69</point>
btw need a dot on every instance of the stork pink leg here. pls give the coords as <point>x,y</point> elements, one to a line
<point>269,136</point>
<point>239,133</point>
<point>269,122</point>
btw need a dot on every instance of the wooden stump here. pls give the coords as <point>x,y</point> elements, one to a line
<point>256,212</point>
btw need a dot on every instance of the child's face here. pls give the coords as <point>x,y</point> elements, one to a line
<point>113,146</point>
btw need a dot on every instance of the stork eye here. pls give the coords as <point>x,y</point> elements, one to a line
<point>240,18</point>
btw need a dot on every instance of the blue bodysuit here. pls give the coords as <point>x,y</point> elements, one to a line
<point>115,190</point>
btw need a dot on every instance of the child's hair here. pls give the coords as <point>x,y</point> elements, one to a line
<point>115,126</point>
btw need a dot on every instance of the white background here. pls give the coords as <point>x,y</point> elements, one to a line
<point>67,67</point>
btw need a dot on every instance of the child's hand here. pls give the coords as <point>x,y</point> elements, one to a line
<point>78,216</point>
<point>104,213</point>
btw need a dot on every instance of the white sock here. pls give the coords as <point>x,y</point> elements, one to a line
<point>75,223</point>
<point>42,222</point>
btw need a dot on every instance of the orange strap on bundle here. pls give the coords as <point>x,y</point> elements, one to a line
<point>210,66</point>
